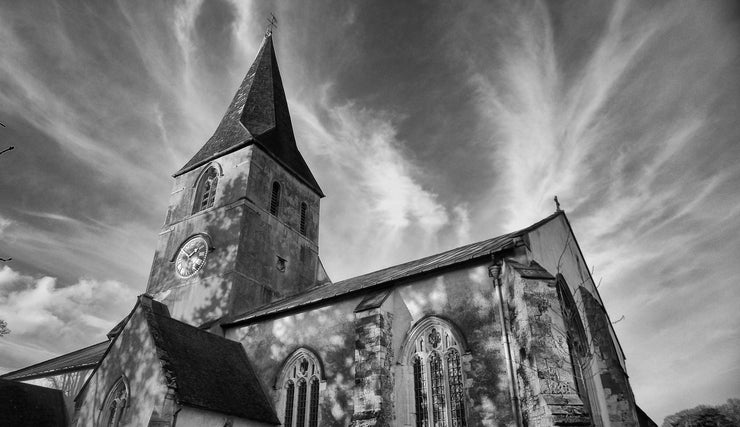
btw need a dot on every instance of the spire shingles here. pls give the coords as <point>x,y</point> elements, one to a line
<point>258,114</point>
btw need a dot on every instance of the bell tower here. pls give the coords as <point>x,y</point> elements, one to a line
<point>243,220</point>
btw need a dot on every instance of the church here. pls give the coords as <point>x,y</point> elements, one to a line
<point>240,325</point>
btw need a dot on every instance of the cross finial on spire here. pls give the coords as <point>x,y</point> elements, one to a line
<point>271,25</point>
<point>557,204</point>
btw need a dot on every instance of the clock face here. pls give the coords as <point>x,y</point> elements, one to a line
<point>192,257</point>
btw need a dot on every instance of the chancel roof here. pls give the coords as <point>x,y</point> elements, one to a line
<point>86,358</point>
<point>208,371</point>
<point>389,275</point>
<point>259,115</point>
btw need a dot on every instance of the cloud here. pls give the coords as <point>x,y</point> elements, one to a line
<point>4,224</point>
<point>391,215</point>
<point>48,319</point>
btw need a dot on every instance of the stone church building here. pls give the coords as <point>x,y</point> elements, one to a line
<point>241,326</point>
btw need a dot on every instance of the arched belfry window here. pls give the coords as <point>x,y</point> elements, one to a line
<point>301,380</point>
<point>433,352</point>
<point>275,198</point>
<point>114,405</point>
<point>205,193</point>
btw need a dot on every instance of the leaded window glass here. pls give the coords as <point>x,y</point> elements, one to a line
<point>289,392</point>
<point>420,393</point>
<point>434,353</point>
<point>205,194</point>
<point>301,377</point>
<point>454,375</point>
<point>313,417</point>
<point>301,417</point>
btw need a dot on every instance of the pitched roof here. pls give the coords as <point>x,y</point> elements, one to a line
<point>258,114</point>
<point>208,371</point>
<point>388,275</point>
<point>24,404</point>
<point>85,358</point>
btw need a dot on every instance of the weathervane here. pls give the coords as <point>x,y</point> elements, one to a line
<point>271,25</point>
<point>557,204</point>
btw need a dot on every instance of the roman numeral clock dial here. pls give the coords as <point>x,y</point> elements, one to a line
<point>192,257</point>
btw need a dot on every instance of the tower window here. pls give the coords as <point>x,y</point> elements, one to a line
<point>302,371</point>
<point>275,199</point>
<point>205,195</point>
<point>439,395</point>
<point>304,209</point>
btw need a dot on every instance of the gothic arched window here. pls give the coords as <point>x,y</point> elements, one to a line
<point>300,381</point>
<point>578,347</point>
<point>433,352</point>
<point>205,193</point>
<point>275,198</point>
<point>114,405</point>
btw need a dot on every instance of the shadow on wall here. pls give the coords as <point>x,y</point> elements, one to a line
<point>329,333</point>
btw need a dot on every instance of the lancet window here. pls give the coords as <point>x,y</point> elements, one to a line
<point>205,194</point>
<point>115,405</point>
<point>434,355</point>
<point>301,381</point>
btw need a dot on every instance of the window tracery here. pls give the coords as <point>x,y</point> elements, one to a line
<point>114,404</point>
<point>301,379</point>
<point>434,353</point>
<point>205,194</point>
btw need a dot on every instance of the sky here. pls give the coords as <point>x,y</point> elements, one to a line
<point>429,125</point>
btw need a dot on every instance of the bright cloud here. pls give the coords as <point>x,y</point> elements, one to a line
<point>48,318</point>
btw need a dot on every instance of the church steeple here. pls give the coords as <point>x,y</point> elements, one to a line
<point>258,114</point>
<point>242,226</point>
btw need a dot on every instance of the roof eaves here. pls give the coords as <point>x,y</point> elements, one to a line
<point>18,374</point>
<point>588,271</point>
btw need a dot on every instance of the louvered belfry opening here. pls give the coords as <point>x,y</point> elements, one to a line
<point>275,198</point>
<point>304,209</point>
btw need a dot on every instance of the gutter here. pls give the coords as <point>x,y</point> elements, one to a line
<point>494,271</point>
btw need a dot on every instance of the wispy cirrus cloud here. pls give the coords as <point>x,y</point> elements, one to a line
<point>390,213</point>
<point>622,132</point>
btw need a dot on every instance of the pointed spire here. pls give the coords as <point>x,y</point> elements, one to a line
<point>258,114</point>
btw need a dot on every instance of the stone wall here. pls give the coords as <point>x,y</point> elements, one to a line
<point>373,390</point>
<point>546,386</point>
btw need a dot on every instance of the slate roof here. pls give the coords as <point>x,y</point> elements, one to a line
<point>258,114</point>
<point>29,405</point>
<point>86,358</point>
<point>388,275</point>
<point>208,371</point>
